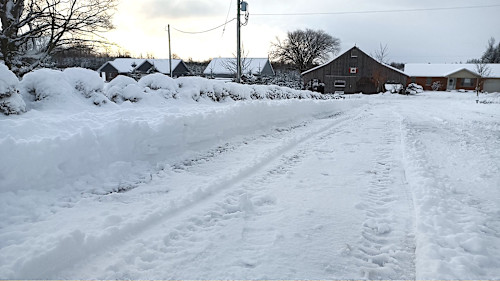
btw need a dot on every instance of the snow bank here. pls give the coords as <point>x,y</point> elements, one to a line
<point>491,98</point>
<point>44,150</point>
<point>136,124</point>
<point>10,101</point>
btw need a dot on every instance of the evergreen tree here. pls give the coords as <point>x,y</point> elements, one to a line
<point>492,53</point>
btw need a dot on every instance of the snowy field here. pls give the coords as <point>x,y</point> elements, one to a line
<point>368,187</point>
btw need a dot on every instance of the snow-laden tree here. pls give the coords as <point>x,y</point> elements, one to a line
<point>492,53</point>
<point>33,29</point>
<point>305,48</point>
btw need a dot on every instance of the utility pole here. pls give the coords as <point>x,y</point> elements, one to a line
<point>169,52</point>
<point>238,43</point>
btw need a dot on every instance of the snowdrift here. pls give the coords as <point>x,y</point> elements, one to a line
<point>80,130</point>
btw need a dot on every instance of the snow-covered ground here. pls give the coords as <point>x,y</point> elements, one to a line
<point>376,187</point>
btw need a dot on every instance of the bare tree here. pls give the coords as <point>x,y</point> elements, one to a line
<point>484,71</point>
<point>232,65</point>
<point>382,53</point>
<point>305,48</point>
<point>33,29</point>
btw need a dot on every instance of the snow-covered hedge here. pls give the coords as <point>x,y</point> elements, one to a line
<point>87,83</point>
<point>159,84</point>
<point>73,86</point>
<point>124,88</point>
<point>82,87</point>
<point>198,88</point>
<point>45,85</point>
<point>10,100</point>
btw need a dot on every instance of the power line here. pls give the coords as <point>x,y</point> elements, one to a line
<point>377,11</point>
<point>228,11</point>
<point>204,31</point>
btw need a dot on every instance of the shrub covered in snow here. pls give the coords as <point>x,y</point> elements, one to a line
<point>10,100</point>
<point>87,83</point>
<point>124,88</point>
<point>159,84</point>
<point>46,85</point>
<point>413,88</point>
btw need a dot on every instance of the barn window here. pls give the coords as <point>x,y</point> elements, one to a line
<point>354,53</point>
<point>339,83</point>
<point>428,81</point>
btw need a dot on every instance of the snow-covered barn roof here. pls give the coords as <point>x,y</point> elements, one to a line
<point>163,65</point>
<point>444,70</point>
<point>355,47</point>
<point>225,65</point>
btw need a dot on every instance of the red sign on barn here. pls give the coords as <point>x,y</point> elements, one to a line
<point>353,70</point>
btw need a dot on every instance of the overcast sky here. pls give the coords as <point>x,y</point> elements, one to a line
<point>436,36</point>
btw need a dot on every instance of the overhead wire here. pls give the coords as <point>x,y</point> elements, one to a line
<point>204,31</point>
<point>227,16</point>
<point>377,11</point>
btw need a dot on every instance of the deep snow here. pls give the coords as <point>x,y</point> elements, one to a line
<point>376,187</point>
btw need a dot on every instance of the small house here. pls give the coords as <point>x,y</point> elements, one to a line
<point>179,68</point>
<point>449,77</point>
<point>120,66</point>
<point>353,72</point>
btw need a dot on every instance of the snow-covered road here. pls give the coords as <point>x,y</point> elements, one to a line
<point>393,188</point>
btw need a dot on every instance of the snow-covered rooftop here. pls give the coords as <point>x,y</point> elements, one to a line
<point>443,70</point>
<point>163,65</point>
<point>228,65</point>
<point>124,65</point>
<point>320,66</point>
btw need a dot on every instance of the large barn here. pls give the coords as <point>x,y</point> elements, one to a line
<point>354,72</point>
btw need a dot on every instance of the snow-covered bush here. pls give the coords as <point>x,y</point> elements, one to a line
<point>87,83</point>
<point>10,100</point>
<point>414,88</point>
<point>124,88</point>
<point>45,85</point>
<point>394,88</point>
<point>159,84</point>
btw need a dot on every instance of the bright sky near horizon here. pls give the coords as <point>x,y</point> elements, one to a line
<point>416,31</point>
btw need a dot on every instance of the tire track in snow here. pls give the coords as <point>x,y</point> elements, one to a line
<point>386,247</point>
<point>78,247</point>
